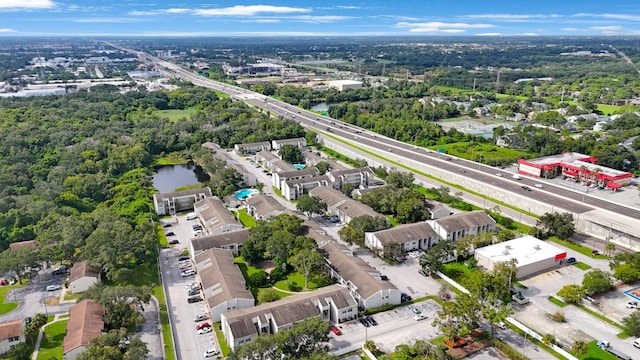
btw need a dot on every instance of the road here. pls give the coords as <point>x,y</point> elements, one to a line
<point>559,197</point>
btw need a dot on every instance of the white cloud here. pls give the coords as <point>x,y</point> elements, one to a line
<point>159,12</point>
<point>250,10</point>
<point>628,17</point>
<point>436,27</point>
<point>606,28</point>
<point>262,21</point>
<point>6,30</point>
<point>323,19</point>
<point>572,29</point>
<point>514,17</point>
<point>490,34</point>
<point>26,4</point>
<point>105,20</point>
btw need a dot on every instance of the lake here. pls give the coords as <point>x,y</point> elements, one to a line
<point>323,106</point>
<point>170,177</point>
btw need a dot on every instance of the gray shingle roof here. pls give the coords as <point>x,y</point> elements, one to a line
<point>221,279</point>
<point>214,214</point>
<point>221,240</point>
<point>464,221</point>
<point>407,232</point>
<point>264,204</point>
<point>178,194</point>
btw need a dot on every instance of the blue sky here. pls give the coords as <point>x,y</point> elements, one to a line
<point>319,17</point>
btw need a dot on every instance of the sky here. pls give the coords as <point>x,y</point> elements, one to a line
<point>319,18</point>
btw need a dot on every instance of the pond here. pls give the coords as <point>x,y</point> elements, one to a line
<point>170,177</point>
<point>323,106</point>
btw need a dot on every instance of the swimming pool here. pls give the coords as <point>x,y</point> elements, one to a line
<point>299,166</point>
<point>245,193</point>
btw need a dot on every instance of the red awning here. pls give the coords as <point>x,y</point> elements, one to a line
<point>570,173</point>
<point>613,185</point>
<point>561,256</point>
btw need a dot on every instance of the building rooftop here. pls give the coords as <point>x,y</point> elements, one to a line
<point>85,324</point>
<point>407,232</point>
<point>221,279</point>
<point>267,155</point>
<point>253,145</point>
<point>264,204</point>
<point>31,244</point>
<point>184,193</point>
<point>526,250</point>
<point>221,240</point>
<point>329,195</point>
<point>466,220</point>
<point>309,170</point>
<point>282,166</point>
<point>308,180</point>
<point>10,329</point>
<point>80,269</point>
<point>566,157</point>
<point>214,214</point>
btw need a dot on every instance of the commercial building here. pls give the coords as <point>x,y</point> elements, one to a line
<point>344,84</point>
<point>532,255</point>
<point>223,285</point>
<point>174,202</point>
<point>332,303</point>
<point>580,167</point>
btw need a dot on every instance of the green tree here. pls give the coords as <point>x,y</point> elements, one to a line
<point>548,339</point>
<point>310,205</point>
<point>120,303</point>
<point>411,210</point>
<point>400,179</point>
<point>25,262</point>
<point>431,261</point>
<point>626,272</point>
<point>596,281</point>
<point>291,154</point>
<point>115,345</point>
<point>571,293</point>
<point>307,261</point>
<point>632,324</point>
<point>311,137</point>
<point>268,295</point>
<point>323,167</point>
<point>580,347</point>
<point>347,188</point>
<point>351,235</point>
<point>557,224</point>
<point>32,329</point>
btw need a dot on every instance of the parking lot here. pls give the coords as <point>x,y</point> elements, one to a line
<point>189,343</point>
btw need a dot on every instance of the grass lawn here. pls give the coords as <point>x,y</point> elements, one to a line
<point>608,109</point>
<point>10,306</point>
<point>246,219</point>
<point>392,221</point>
<point>595,352</point>
<point>51,345</point>
<point>582,266</point>
<point>72,296</point>
<point>298,278</point>
<point>174,115</point>
<point>458,271</point>
<point>224,348</point>
<point>557,301</point>
<point>281,293</point>
<point>247,270</point>
<point>174,158</point>
<point>576,247</point>
<point>486,153</point>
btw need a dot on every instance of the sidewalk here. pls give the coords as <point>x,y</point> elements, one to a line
<point>56,318</point>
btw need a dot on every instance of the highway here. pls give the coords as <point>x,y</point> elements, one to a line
<point>561,198</point>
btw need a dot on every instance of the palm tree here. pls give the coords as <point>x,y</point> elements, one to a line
<point>580,347</point>
<point>549,339</point>
<point>609,248</point>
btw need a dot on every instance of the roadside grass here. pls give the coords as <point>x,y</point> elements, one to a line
<point>594,352</point>
<point>51,344</point>
<point>582,266</point>
<point>9,306</point>
<point>246,219</point>
<point>224,348</point>
<point>70,296</point>
<point>162,238</point>
<point>578,248</point>
<point>174,158</point>
<point>557,301</point>
<point>487,153</point>
<point>176,114</point>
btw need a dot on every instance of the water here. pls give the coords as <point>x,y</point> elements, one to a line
<point>299,166</point>
<point>170,177</point>
<point>323,106</point>
<point>241,194</point>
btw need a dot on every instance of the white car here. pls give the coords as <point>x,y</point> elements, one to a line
<point>632,304</point>
<point>200,317</point>
<point>501,325</point>
<point>420,317</point>
<point>204,330</point>
<point>210,353</point>
<point>188,273</point>
<point>539,186</point>
<point>53,287</point>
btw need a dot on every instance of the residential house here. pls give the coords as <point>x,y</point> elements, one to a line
<point>82,277</point>
<point>251,148</point>
<point>359,177</point>
<point>297,142</point>
<point>215,217</point>
<point>223,285</point>
<point>342,206</point>
<point>292,189</point>
<point>11,334</point>
<point>404,238</point>
<point>248,177</point>
<point>281,166</point>
<point>511,140</point>
<point>174,202</point>
<point>332,303</point>
<point>460,225</point>
<point>263,207</point>
<point>279,177</point>
<point>230,240</point>
<point>312,158</point>
<point>438,211</point>
<point>266,158</point>
<point>85,324</point>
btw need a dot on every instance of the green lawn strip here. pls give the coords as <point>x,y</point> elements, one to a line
<point>450,184</point>
<point>582,266</point>
<point>623,335</point>
<point>9,306</point>
<point>578,248</point>
<point>557,301</point>
<point>488,153</point>
<point>600,316</point>
<point>167,336</point>
<point>296,277</point>
<point>51,344</point>
<point>162,238</point>
<point>594,352</point>
<point>246,219</point>
<point>224,348</point>
<point>247,270</point>
<point>69,296</point>
<point>277,191</point>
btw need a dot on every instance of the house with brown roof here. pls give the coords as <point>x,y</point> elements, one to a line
<point>280,166</point>
<point>82,277</point>
<point>223,285</point>
<point>333,303</point>
<point>230,240</point>
<point>11,334</point>
<point>460,225</point>
<point>408,237</point>
<point>174,202</point>
<point>263,207</point>
<point>215,216</point>
<point>266,158</point>
<point>85,324</point>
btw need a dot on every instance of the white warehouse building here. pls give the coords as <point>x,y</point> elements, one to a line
<point>532,255</point>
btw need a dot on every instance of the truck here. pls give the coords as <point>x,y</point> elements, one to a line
<point>605,345</point>
<point>515,176</point>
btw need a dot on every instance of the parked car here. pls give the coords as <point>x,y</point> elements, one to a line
<point>192,292</point>
<point>334,219</point>
<point>364,322</point>
<point>174,242</point>
<point>632,304</point>
<point>60,270</point>
<point>336,330</point>
<point>53,287</point>
<point>501,325</point>
<point>204,331</point>
<point>166,225</point>
<point>200,317</point>
<point>183,258</point>
<point>203,325</point>
<point>636,343</point>
<point>170,233</point>
<point>194,299</point>
<point>420,316</point>
<point>191,216</point>
<point>571,260</point>
<point>372,321</point>
<point>422,272</point>
<point>404,297</point>
<point>210,353</point>
<point>188,273</point>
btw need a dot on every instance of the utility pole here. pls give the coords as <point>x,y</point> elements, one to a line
<point>562,96</point>
<point>474,85</point>
<point>498,80</point>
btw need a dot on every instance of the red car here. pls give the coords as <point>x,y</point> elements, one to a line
<point>203,325</point>
<point>336,330</point>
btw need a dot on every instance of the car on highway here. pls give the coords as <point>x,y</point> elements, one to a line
<point>498,174</point>
<point>336,330</point>
<point>539,186</point>
<point>526,188</point>
<point>203,325</point>
<point>210,353</point>
<point>205,331</point>
<point>53,287</point>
